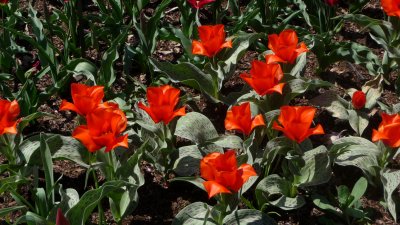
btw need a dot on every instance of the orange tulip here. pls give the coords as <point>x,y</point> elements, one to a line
<point>212,40</point>
<point>222,173</point>
<point>162,101</point>
<point>9,112</point>
<point>388,130</point>
<point>85,98</point>
<point>264,78</point>
<point>295,122</point>
<point>103,129</point>
<point>391,7</point>
<point>239,118</point>
<point>285,46</point>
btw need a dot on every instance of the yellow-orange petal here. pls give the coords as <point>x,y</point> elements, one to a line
<point>257,121</point>
<point>83,135</point>
<point>247,172</point>
<point>277,88</point>
<point>121,141</point>
<point>272,58</point>
<point>198,49</point>
<point>214,188</point>
<point>69,106</point>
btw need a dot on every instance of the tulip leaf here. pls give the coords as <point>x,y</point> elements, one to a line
<point>358,152</point>
<point>391,181</point>
<point>188,162</point>
<point>317,169</point>
<point>275,190</point>
<point>333,103</point>
<point>248,217</point>
<point>82,210</point>
<point>198,213</point>
<point>188,74</point>
<point>358,121</point>
<point>6,211</point>
<point>227,141</point>
<point>197,128</point>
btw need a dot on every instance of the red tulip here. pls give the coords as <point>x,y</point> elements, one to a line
<point>212,40</point>
<point>222,173</point>
<point>391,7</point>
<point>388,130</point>
<point>162,101</point>
<point>264,78</point>
<point>104,128</point>
<point>239,118</point>
<point>358,100</point>
<point>9,112</point>
<point>60,219</point>
<point>285,46</point>
<point>85,98</point>
<point>199,3</point>
<point>295,122</point>
<point>331,2</point>
<point>3,2</point>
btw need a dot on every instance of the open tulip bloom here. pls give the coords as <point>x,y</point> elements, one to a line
<point>295,122</point>
<point>85,99</point>
<point>9,112</point>
<point>391,7</point>
<point>264,78</point>
<point>239,118</point>
<point>388,130</point>
<point>222,174</point>
<point>285,46</point>
<point>162,101</point>
<point>104,129</point>
<point>212,40</point>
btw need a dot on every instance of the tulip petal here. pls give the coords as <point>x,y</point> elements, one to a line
<point>149,112</point>
<point>214,188</point>
<point>270,59</point>
<point>247,171</point>
<point>257,121</point>
<point>179,112</point>
<point>69,106</point>
<point>277,88</point>
<point>121,141</point>
<point>198,49</point>
<point>227,44</point>
<point>83,135</point>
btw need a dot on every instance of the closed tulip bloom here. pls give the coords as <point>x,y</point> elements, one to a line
<point>85,99</point>
<point>239,118</point>
<point>388,130</point>
<point>162,101</point>
<point>9,112</point>
<point>285,46</point>
<point>358,100</point>
<point>199,3</point>
<point>222,174</point>
<point>295,122</point>
<point>60,219</point>
<point>104,128</point>
<point>391,7</point>
<point>264,78</point>
<point>331,2</point>
<point>212,40</point>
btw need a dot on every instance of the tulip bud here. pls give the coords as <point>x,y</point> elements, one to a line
<point>358,100</point>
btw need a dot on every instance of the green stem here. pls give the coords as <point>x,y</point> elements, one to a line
<point>111,164</point>
<point>9,153</point>
<point>221,216</point>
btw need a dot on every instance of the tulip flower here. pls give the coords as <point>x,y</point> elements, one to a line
<point>85,99</point>
<point>285,47</point>
<point>391,7</point>
<point>60,219</point>
<point>264,78</point>
<point>331,2</point>
<point>239,118</point>
<point>212,40</point>
<point>103,129</point>
<point>222,174</point>
<point>9,112</point>
<point>295,122</point>
<point>199,3</point>
<point>3,2</point>
<point>358,100</point>
<point>388,130</point>
<point>162,101</point>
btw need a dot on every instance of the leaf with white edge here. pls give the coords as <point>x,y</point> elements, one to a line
<point>358,121</point>
<point>250,182</point>
<point>391,181</point>
<point>82,210</point>
<point>195,127</point>
<point>188,162</point>
<point>198,213</point>
<point>317,169</point>
<point>248,217</point>
<point>358,152</point>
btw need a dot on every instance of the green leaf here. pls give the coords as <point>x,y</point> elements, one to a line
<point>358,121</point>
<point>227,141</point>
<point>47,163</point>
<point>5,211</point>
<point>343,195</point>
<point>358,190</point>
<point>195,127</point>
<point>391,181</point>
<point>188,162</point>
<point>82,210</point>
<point>317,169</point>
<point>197,213</point>
<point>323,203</point>
<point>248,217</point>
